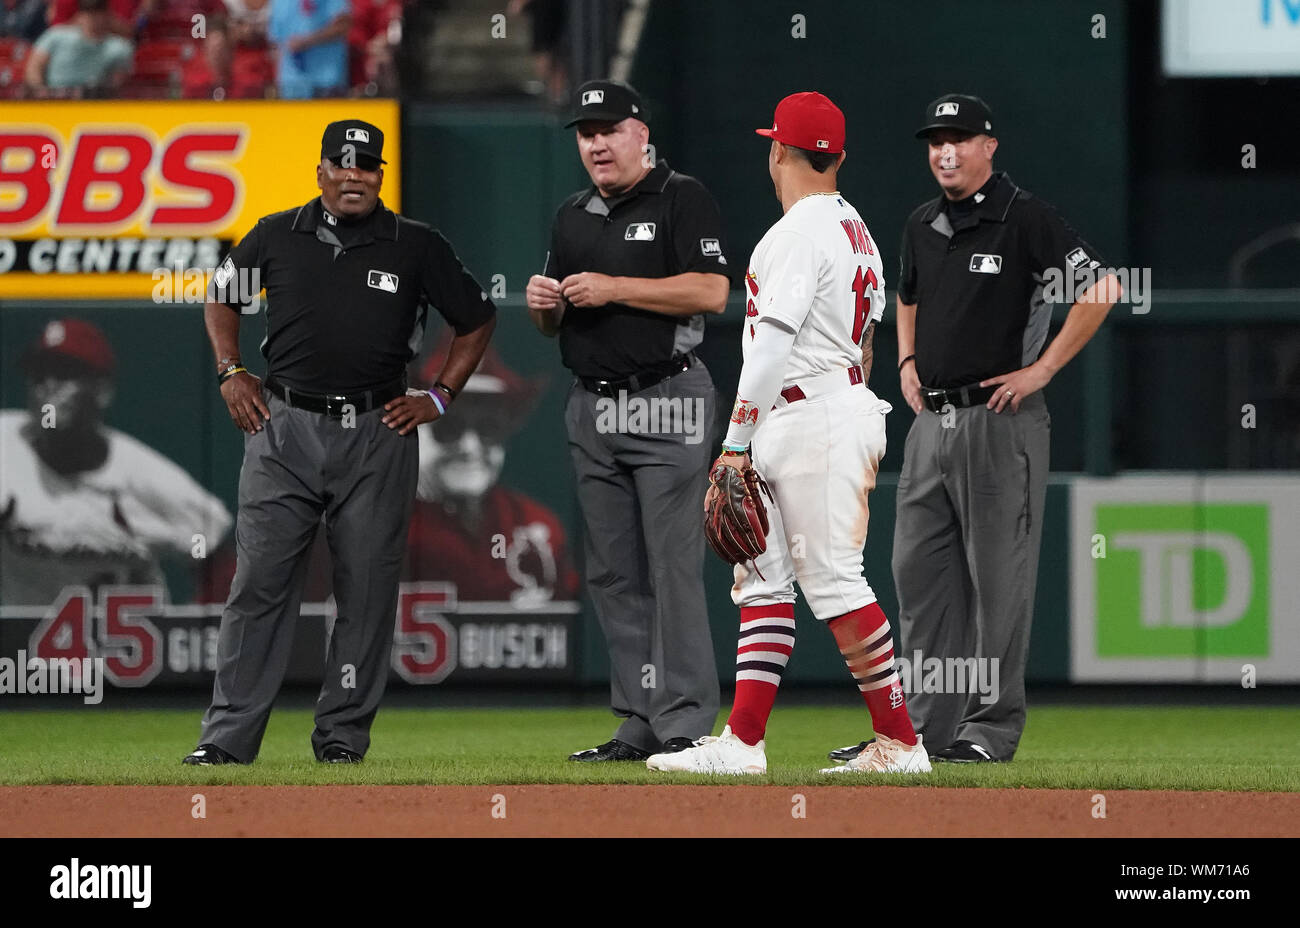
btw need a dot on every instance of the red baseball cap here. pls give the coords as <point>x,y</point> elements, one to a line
<point>73,340</point>
<point>808,120</point>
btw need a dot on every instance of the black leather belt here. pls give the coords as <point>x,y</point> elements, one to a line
<point>639,381</point>
<point>334,404</point>
<point>959,397</point>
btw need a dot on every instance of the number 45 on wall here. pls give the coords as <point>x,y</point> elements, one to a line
<point>118,631</point>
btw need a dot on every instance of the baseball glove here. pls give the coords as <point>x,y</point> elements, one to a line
<point>735,519</point>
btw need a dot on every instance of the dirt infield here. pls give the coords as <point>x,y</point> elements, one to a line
<point>634,811</point>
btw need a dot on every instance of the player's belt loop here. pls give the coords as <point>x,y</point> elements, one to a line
<point>822,385</point>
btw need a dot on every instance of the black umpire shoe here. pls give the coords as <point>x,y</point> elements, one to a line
<point>337,754</point>
<point>209,755</point>
<point>673,745</point>
<point>964,752</point>
<point>848,752</point>
<point>610,750</point>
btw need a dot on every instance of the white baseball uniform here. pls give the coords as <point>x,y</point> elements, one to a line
<point>814,283</point>
<point>99,527</point>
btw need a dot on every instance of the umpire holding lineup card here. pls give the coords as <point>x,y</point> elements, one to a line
<point>329,433</point>
<point>635,261</point>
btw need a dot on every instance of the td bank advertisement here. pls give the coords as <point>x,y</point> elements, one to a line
<point>1185,579</point>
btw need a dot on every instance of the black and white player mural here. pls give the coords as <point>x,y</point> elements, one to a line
<point>111,548</point>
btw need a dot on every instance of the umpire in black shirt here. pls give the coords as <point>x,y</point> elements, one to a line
<point>972,325</point>
<point>635,260</point>
<point>330,433</point>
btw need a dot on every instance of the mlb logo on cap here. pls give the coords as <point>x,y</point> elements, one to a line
<point>809,121</point>
<point>356,139</point>
<point>606,101</point>
<point>958,111</point>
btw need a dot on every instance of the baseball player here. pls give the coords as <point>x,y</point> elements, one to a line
<point>815,290</point>
<point>82,503</point>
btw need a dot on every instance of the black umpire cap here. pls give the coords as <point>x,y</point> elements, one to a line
<point>367,142</point>
<point>957,111</point>
<point>607,101</point>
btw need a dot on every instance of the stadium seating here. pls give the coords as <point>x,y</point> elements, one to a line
<point>13,57</point>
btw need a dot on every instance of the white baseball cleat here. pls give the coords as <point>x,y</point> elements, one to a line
<point>886,755</point>
<point>723,754</point>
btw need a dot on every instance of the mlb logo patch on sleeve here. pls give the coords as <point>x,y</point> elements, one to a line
<point>224,273</point>
<point>382,280</point>
<point>986,264</point>
<point>640,232</point>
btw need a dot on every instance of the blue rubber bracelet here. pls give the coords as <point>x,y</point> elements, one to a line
<point>442,410</point>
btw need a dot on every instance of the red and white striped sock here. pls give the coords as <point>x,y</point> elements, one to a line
<point>868,648</point>
<point>762,651</point>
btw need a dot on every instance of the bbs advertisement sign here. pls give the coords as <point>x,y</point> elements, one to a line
<point>116,199</point>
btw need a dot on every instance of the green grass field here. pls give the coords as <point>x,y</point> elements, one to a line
<point>1063,748</point>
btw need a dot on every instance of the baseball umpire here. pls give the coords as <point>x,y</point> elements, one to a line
<point>814,290</point>
<point>972,323</point>
<point>635,261</point>
<point>330,433</point>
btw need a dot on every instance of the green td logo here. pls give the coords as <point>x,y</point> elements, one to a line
<point>1183,580</point>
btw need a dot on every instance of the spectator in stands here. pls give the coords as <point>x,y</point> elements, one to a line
<point>310,38</point>
<point>243,29</point>
<point>372,46</point>
<point>175,18</point>
<point>122,18</point>
<point>81,56</point>
<point>22,19</point>
<point>180,45</point>
<point>249,21</point>
<point>550,20</point>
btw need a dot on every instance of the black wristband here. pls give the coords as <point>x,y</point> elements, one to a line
<point>910,357</point>
<point>439,385</point>
<point>231,371</point>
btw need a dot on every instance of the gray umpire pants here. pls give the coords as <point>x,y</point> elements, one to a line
<point>966,537</point>
<point>641,489</point>
<point>303,465</point>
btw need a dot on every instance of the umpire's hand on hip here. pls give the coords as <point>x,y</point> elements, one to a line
<point>1014,387</point>
<point>243,396</point>
<point>406,412</point>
